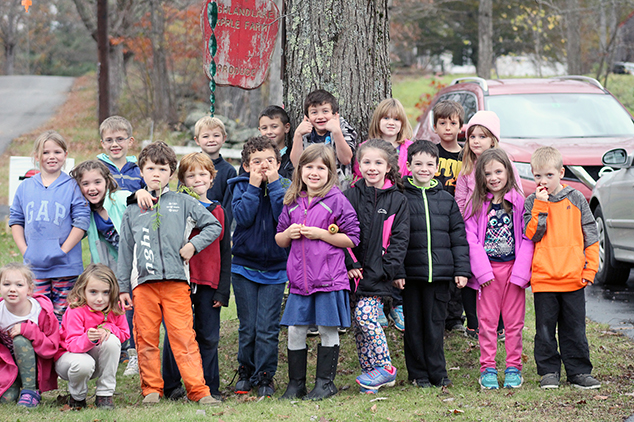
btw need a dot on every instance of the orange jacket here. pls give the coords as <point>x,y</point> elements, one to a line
<point>566,241</point>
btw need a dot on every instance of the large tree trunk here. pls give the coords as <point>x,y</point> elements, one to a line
<point>485,38</point>
<point>573,37</point>
<point>340,46</point>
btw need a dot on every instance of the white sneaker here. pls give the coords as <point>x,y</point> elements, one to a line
<point>133,364</point>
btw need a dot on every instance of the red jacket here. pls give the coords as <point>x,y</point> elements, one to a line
<point>44,337</point>
<point>212,265</point>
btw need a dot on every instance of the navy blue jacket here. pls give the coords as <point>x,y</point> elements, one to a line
<point>219,191</point>
<point>256,212</point>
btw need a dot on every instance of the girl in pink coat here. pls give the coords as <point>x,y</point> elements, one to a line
<point>501,259</point>
<point>29,338</point>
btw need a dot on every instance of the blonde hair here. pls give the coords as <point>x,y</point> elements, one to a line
<point>480,190</point>
<point>49,135</point>
<point>547,156</point>
<point>195,160</point>
<point>208,122</point>
<point>393,108</point>
<point>23,269</point>
<point>77,296</point>
<point>115,124</point>
<point>468,156</point>
<point>314,152</point>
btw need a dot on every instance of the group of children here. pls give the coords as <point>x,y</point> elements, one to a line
<point>348,226</point>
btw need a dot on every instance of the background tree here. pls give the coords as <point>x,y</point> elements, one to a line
<point>11,13</point>
<point>485,38</point>
<point>340,46</point>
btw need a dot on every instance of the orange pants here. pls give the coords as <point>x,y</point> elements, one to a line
<point>169,301</point>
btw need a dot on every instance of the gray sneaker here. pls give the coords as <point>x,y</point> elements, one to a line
<point>550,381</point>
<point>584,382</point>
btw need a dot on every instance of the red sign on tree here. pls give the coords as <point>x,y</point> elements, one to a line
<point>244,33</point>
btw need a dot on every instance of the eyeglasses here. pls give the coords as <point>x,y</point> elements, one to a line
<point>110,141</point>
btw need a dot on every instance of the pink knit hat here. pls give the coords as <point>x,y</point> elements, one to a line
<point>488,119</point>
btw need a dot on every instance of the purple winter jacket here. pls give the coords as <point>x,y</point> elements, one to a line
<point>314,265</point>
<point>476,231</point>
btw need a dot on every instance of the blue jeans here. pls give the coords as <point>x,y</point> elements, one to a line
<point>129,343</point>
<point>259,307</point>
<point>207,327</point>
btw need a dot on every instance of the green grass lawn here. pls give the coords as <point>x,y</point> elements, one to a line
<point>612,354</point>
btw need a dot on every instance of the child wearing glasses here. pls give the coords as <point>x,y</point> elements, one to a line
<point>116,139</point>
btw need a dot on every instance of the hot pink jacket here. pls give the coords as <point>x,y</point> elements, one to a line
<point>44,337</point>
<point>465,184</point>
<point>75,323</point>
<point>476,230</point>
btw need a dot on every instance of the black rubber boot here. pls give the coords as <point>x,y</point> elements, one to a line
<point>327,359</point>
<point>296,375</point>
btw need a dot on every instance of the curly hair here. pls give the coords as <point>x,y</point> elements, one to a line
<point>81,169</point>
<point>389,152</point>
<point>258,143</point>
<point>159,153</point>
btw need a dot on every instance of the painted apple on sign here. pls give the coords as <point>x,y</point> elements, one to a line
<point>245,33</point>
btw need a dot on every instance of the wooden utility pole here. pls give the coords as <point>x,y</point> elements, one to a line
<point>102,68</point>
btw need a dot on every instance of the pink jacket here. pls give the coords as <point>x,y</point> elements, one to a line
<point>75,323</point>
<point>402,161</point>
<point>476,231</point>
<point>44,337</point>
<point>465,184</point>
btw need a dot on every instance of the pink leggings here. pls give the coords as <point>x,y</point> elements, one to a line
<point>509,299</point>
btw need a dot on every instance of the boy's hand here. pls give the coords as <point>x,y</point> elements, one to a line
<point>125,301</point>
<point>187,252</point>
<point>541,193</point>
<point>355,273</point>
<point>255,176</point>
<point>15,330</point>
<point>461,281</point>
<point>216,304</point>
<point>333,125</point>
<point>314,233</point>
<point>144,199</point>
<point>488,283</point>
<point>271,174</point>
<point>399,283</point>
<point>304,127</point>
<point>294,231</point>
<point>586,281</point>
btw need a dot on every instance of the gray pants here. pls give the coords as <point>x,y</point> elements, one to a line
<point>100,362</point>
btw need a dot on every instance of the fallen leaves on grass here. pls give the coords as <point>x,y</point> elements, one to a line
<point>373,408</point>
<point>597,397</point>
<point>378,399</point>
<point>456,411</point>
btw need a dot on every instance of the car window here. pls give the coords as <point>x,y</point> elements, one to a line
<point>560,116</point>
<point>467,100</point>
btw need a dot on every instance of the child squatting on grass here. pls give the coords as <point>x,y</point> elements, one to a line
<point>317,222</point>
<point>93,328</point>
<point>29,338</point>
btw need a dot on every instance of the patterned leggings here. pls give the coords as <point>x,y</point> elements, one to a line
<point>26,361</point>
<point>369,336</point>
<point>56,289</point>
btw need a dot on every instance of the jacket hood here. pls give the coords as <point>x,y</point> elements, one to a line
<point>244,177</point>
<point>408,184</point>
<point>104,157</point>
<point>488,119</point>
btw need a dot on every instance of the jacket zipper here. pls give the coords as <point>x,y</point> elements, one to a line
<point>303,250</point>
<point>427,222</point>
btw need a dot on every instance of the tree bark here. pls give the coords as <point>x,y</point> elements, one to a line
<point>340,46</point>
<point>485,38</point>
<point>573,41</point>
<point>10,10</point>
<point>162,103</point>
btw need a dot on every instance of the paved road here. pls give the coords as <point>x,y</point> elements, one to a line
<point>613,306</point>
<point>26,102</point>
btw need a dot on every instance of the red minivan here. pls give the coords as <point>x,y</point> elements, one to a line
<point>574,114</point>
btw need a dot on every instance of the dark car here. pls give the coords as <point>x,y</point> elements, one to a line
<point>574,114</point>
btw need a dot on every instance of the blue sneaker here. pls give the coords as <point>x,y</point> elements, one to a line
<point>377,378</point>
<point>364,390</point>
<point>383,319</point>
<point>513,377</point>
<point>397,316</point>
<point>489,379</point>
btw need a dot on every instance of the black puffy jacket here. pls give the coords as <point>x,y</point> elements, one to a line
<point>444,254</point>
<point>379,211</point>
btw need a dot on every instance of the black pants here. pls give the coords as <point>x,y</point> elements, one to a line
<point>425,309</point>
<point>566,313</point>
<point>454,307</point>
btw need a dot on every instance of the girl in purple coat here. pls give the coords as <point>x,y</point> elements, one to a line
<point>317,222</point>
<point>501,259</point>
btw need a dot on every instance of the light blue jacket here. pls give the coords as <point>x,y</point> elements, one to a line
<point>101,251</point>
